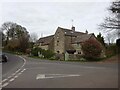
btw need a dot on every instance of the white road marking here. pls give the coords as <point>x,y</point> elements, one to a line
<point>40,76</point>
<point>23,70</point>
<point>36,68</point>
<point>4,80</point>
<point>18,70</point>
<point>13,75</point>
<point>19,74</point>
<point>5,84</point>
<point>11,79</point>
<point>93,67</point>
<point>16,76</point>
<point>47,76</point>
<point>24,61</point>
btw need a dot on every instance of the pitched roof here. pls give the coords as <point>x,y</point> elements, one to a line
<point>82,38</point>
<point>79,36</point>
<point>45,40</point>
<point>69,32</point>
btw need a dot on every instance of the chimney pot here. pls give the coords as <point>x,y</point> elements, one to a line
<point>73,28</point>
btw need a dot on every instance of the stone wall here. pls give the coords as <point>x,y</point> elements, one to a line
<point>67,42</point>
<point>51,45</point>
<point>67,56</point>
<point>78,48</point>
<point>44,47</point>
<point>59,41</point>
<point>74,57</point>
<point>59,56</point>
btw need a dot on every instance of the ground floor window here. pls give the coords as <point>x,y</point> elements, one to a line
<point>79,52</point>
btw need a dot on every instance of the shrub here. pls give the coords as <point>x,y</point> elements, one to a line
<point>34,51</point>
<point>92,49</point>
<point>111,50</point>
<point>45,53</point>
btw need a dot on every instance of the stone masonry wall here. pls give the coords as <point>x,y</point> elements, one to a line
<point>59,41</point>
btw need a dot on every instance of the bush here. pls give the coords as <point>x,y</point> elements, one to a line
<point>111,50</point>
<point>34,51</point>
<point>47,53</point>
<point>92,49</point>
<point>44,53</point>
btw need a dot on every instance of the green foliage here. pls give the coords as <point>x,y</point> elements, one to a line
<point>100,38</point>
<point>31,44</point>
<point>91,49</point>
<point>44,53</point>
<point>111,50</point>
<point>16,37</point>
<point>35,51</point>
<point>47,53</point>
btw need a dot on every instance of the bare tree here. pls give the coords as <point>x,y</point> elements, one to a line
<point>112,23</point>
<point>33,37</point>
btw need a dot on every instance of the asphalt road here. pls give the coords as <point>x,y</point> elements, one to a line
<point>13,64</point>
<point>37,73</point>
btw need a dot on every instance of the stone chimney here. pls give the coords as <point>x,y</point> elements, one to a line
<point>73,28</point>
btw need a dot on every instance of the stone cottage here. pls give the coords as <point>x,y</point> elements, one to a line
<point>65,41</point>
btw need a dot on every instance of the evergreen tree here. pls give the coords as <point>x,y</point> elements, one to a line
<point>100,38</point>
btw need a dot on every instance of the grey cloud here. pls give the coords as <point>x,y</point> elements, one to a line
<point>46,17</point>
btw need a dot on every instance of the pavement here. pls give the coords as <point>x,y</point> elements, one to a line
<point>25,72</point>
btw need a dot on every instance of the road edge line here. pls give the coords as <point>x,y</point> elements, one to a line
<point>17,71</point>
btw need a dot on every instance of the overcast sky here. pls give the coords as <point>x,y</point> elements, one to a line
<point>44,17</point>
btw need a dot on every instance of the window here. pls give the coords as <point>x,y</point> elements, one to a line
<point>57,43</point>
<point>79,52</point>
<point>58,51</point>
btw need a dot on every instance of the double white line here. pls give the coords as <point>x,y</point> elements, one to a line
<point>11,78</point>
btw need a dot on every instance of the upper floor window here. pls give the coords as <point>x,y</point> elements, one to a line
<point>79,52</point>
<point>57,43</point>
